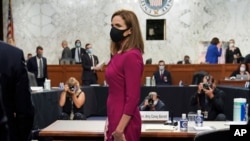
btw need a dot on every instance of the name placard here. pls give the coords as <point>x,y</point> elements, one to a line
<point>154,115</point>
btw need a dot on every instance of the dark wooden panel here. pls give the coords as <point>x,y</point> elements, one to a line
<point>60,73</point>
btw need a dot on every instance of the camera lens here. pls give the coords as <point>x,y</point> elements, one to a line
<point>71,88</point>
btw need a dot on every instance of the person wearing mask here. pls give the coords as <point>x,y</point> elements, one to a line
<point>162,76</point>
<point>38,66</point>
<point>123,75</point>
<point>242,69</point>
<point>72,100</point>
<point>77,52</point>
<point>209,99</point>
<point>89,65</point>
<point>152,103</point>
<point>186,60</point>
<point>214,51</point>
<point>233,54</point>
<point>16,96</point>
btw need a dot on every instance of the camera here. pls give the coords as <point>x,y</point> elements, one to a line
<point>150,100</point>
<point>206,86</point>
<point>72,88</point>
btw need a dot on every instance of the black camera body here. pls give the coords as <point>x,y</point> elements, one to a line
<point>206,86</point>
<point>72,88</point>
<point>150,100</point>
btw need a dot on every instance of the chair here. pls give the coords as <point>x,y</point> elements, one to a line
<point>214,135</point>
<point>198,76</point>
<point>149,61</point>
<point>32,79</point>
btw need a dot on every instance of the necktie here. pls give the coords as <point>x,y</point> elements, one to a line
<point>161,74</point>
<point>79,55</point>
<point>41,67</point>
<point>92,60</point>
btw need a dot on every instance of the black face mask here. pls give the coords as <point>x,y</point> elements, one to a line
<point>116,34</point>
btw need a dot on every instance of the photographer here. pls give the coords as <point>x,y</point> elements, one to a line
<point>72,100</point>
<point>208,99</point>
<point>152,103</point>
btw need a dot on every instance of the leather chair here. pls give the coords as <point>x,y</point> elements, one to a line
<point>198,76</point>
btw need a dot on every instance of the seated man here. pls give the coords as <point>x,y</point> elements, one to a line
<point>208,99</point>
<point>186,60</point>
<point>162,76</point>
<point>72,100</point>
<point>152,103</point>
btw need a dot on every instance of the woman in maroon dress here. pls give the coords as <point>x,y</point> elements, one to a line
<point>123,75</point>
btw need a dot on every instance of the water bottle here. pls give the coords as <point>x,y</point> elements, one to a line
<point>199,119</point>
<point>183,122</point>
<point>153,81</point>
<point>180,83</point>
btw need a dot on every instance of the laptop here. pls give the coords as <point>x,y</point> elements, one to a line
<point>241,77</point>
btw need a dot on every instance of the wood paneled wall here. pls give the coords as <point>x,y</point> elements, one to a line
<point>60,73</point>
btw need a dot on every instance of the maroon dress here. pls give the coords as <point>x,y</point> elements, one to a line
<point>123,75</point>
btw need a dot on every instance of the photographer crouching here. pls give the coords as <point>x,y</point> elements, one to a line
<point>209,99</point>
<point>72,100</point>
<point>152,103</point>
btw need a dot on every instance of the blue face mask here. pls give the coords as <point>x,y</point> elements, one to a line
<point>78,44</point>
<point>89,51</point>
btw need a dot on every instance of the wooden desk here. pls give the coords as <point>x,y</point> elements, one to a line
<point>93,130</point>
<point>232,82</point>
<point>60,73</point>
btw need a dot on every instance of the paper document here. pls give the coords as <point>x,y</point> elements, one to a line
<point>160,127</point>
<point>36,88</point>
<point>202,128</point>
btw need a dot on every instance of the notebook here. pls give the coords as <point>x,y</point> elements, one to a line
<point>241,77</point>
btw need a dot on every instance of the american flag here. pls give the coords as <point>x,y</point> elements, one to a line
<point>10,27</point>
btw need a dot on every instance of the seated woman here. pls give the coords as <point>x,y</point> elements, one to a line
<point>242,70</point>
<point>72,100</point>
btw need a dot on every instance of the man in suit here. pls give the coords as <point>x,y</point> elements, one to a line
<point>77,52</point>
<point>66,53</point>
<point>152,103</point>
<point>186,60</point>
<point>38,65</point>
<point>162,76</point>
<point>16,92</point>
<point>89,62</point>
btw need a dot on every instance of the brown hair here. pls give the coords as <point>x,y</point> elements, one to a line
<point>215,41</point>
<point>135,39</point>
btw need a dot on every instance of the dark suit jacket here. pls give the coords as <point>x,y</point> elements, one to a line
<point>16,92</point>
<point>33,67</point>
<point>161,80</point>
<point>4,134</point>
<point>73,50</point>
<point>66,53</point>
<point>88,74</point>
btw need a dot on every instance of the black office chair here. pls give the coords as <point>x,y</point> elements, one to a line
<point>149,61</point>
<point>214,135</point>
<point>198,76</point>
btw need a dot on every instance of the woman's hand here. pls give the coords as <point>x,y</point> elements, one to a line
<point>118,136</point>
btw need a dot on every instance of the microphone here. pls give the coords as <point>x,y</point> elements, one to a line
<point>172,122</point>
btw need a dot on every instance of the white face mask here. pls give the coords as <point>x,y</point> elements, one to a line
<point>242,68</point>
<point>161,68</point>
